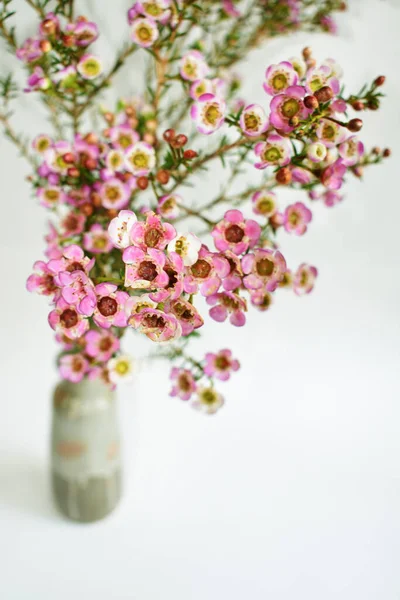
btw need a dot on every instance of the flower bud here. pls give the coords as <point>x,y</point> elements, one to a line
<point>311,102</point>
<point>142,182</point>
<point>358,171</point>
<point>324,94</point>
<point>126,176</point>
<point>294,121</point>
<point>86,209</point>
<point>162,176</point>
<point>387,152</point>
<point>49,27</point>
<point>284,176</point>
<point>358,105</point>
<point>68,158</point>
<point>45,45</point>
<point>190,154</point>
<point>73,172</point>
<point>91,138</point>
<point>307,53</point>
<point>179,141</point>
<point>354,125</point>
<point>90,164</point>
<point>379,80</point>
<point>169,135</point>
<point>111,213</point>
<point>373,104</point>
<point>95,198</point>
<point>68,40</point>
<point>149,138</point>
<point>130,111</point>
<point>109,117</point>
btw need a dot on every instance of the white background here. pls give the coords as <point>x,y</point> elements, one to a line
<point>292,491</point>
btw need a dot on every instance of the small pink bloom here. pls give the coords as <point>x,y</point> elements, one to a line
<point>72,259</point>
<point>261,299</point>
<point>120,227</point>
<point>264,203</point>
<point>155,9</point>
<point>123,137</point>
<point>37,80</point>
<point>145,270</point>
<point>152,233</point>
<point>184,383</point>
<point>168,206</point>
<point>114,193</point>
<point>263,269</point>
<point>208,113</point>
<point>66,320</point>
<point>174,268</point>
<point>235,233</point>
<point>206,273</point>
<point>75,286</point>
<point>101,345</point>
<point>228,303</point>
<point>50,196</point>
<point>140,158</point>
<point>276,151</point>
<point>97,240</point>
<point>288,106</point>
<point>84,32</point>
<point>144,32</point>
<point>253,120</point>
<point>332,176</point>
<point>89,66</point>
<point>233,279</point>
<point>331,198</point>
<point>279,78</point>
<point>30,50</point>
<point>304,279</point>
<point>200,87</point>
<point>186,314</point>
<point>73,367</point>
<point>193,66</point>
<point>296,218</point>
<point>73,224</point>
<point>330,133</point>
<point>221,364</point>
<point>318,77</point>
<point>42,280</point>
<point>351,151</point>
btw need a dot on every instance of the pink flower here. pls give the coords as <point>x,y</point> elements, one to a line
<point>184,383</point>
<point>263,269</point>
<point>275,151</point>
<point>228,303</point>
<point>66,320</point>
<point>328,24</point>
<point>156,324</point>
<point>208,113</point>
<point>152,233</point>
<point>73,367</point>
<point>37,80</point>
<point>174,268</point>
<point>42,280</point>
<point>235,233</point>
<point>101,345</point>
<point>221,364</point>
<point>332,176</point>
<point>73,224</point>
<point>72,259</point>
<point>330,133</point>
<point>84,32</point>
<point>145,270</point>
<point>261,299</point>
<point>230,9</point>
<point>97,240</point>
<point>75,287</point>
<point>123,137</point>
<point>304,279</point>
<point>206,273</point>
<point>233,279</point>
<point>253,120</point>
<point>288,106</point>
<point>318,77</point>
<point>30,50</point>
<point>200,87</point>
<point>208,400</point>
<point>296,218</point>
<point>351,151</point>
<point>50,196</point>
<point>114,193</point>
<point>140,158</point>
<point>168,206</point>
<point>331,198</point>
<point>193,66</point>
<point>279,78</point>
<point>120,227</point>
<point>155,9</point>
<point>264,203</point>
<point>107,306</point>
<point>186,314</point>
<point>144,32</point>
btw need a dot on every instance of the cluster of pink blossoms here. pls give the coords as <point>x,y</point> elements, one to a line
<point>116,259</point>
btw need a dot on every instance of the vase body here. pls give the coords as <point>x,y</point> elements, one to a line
<point>85,448</point>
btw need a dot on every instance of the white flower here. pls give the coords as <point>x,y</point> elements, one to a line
<point>298,65</point>
<point>120,368</point>
<point>187,246</point>
<point>316,152</point>
<point>89,67</point>
<point>120,227</point>
<point>208,400</point>
<point>140,158</point>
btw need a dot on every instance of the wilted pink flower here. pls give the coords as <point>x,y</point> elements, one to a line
<point>236,233</point>
<point>156,324</point>
<point>144,270</point>
<point>208,113</point>
<point>296,218</point>
<point>193,66</point>
<point>279,77</point>
<point>221,364</point>
<point>276,150</point>
<point>97,240</point>
<point>263,269</point>
<point>73,367</point>
<point>66,320</point>
<point>101,345</point>
<point>206,273</point>
<point>186,314</point>
<point>304,279</point>
<point>253,120</point>
<point>228,303</point>
<point>184,383</point>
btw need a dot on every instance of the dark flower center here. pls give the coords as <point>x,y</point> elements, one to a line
<point>182,312</point>
<point>201,269</point>
<point>222,363</point>
<point>184,382</point>
<point>154,321</point>
<point>68,318</point>
<point>105,344</point>
<point>265,267</point>
<point>172,277</point>
<point>147,270</point>
<point>75,266</point>
<point>152,237</point>
<point>234,234</point>
<point>107,306</point>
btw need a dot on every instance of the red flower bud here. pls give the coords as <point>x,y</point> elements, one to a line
<point>354,125</point>
<point>190,154</point>
<point>91,138</point>
<point>179,141</point>
<point>379,80</point>
<point>142,182</point>
<point>311,102</point>
<point>284,176</point>
<point>169,135</point>
<point>324,94</point>
<point>90,164</point>
<point>69,158</point>
<point>45,45</point>
<point>358,105</point>
<point>73,172</point>
<point>162,176</point>
<point>86,209</point>
<point>387,152</point>
<point>68,40</point>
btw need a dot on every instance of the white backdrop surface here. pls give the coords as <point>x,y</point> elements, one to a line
<point>293,490</point>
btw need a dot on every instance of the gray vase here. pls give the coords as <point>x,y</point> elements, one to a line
<point>86,463</point>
